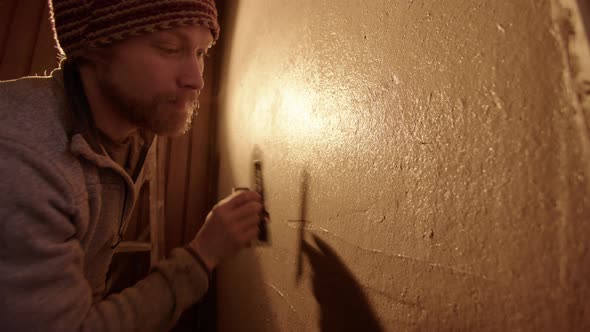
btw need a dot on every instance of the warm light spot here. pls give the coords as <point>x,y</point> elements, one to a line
<point>299,119</point>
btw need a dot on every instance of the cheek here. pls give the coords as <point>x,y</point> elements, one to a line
<point>147,76</point>
<point>157,71</point>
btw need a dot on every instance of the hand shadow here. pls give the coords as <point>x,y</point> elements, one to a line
<point>343,305</point>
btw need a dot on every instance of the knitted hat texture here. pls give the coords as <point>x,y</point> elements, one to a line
<point>83,24</point>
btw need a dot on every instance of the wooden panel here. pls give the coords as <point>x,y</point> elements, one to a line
<point>197,182</point>
<point>161,175</point>
<point>177,166</point>
<point>7,8</point>
<point>22,37</point>
<point>585,14</point>
<point>156,220</point>
<point>45,53</point>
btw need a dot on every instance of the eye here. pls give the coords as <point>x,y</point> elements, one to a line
<point>167,49</point>
<point>202,53</point>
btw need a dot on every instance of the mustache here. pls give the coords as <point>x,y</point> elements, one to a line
<point>188,97</point>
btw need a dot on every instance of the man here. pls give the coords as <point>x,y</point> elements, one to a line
<point>72,147</point>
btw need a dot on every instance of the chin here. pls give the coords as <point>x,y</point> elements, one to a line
<point>172,124</point>
<point>172,129</point>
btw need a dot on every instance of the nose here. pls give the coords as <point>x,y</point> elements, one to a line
<point>191,75</point>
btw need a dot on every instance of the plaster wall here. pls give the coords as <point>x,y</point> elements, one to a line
<point>425,166</point>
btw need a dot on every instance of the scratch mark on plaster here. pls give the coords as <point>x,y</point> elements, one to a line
<point>284,298</point>
<point>392,298</point>
<point>409,313</point>
<point>402,300</point>
<point>295,224</point>
<point>497,100</point>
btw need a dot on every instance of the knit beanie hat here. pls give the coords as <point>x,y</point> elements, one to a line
<point>83,24</point>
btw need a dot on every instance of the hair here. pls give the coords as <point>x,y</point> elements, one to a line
<point>78,103</point>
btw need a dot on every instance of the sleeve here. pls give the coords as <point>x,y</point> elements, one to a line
<point>42,283</point>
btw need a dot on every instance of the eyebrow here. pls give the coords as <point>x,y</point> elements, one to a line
<point>183,36</point>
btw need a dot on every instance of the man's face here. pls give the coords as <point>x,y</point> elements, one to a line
<point>153,81</point>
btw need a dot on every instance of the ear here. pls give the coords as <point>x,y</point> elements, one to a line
<point>96,56</point>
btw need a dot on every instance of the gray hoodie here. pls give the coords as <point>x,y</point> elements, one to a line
<point>61,207</point>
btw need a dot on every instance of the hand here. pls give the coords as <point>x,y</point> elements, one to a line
<point>231,225</point>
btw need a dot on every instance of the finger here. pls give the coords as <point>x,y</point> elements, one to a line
<point>248,210</point>
<point>247,224</point>
<point>244,237</point>
<point>229,198</point>
<point>251,235</point>
<point>243,197</point>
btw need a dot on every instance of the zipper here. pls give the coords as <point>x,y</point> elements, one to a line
<point>134,177</point>
<point>119,232</point>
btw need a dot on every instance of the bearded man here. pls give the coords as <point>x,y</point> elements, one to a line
<point>72,149</point>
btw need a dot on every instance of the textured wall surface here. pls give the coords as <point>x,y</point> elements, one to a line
<point>424,166</point>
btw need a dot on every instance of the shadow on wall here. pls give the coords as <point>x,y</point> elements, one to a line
<point>343,304</point>
<point>439,298</point>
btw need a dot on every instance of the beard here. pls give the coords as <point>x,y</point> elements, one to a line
<point>169,114</point>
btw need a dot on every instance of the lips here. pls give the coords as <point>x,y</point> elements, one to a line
<point>183,101</point>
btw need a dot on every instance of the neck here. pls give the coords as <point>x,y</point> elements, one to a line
<point>106,117</point>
